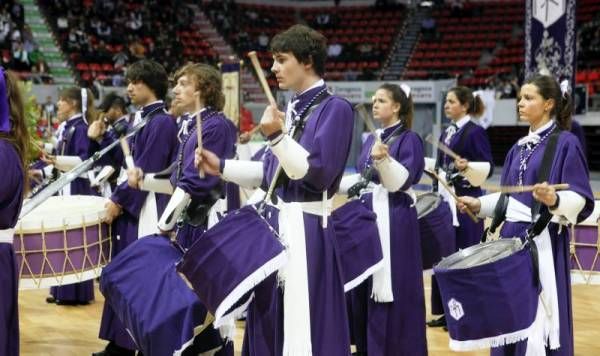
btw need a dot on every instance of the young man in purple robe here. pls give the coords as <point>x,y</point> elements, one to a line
<point>548,112</point>
<point>14,145</point>
<point>464,175</point>
<point>75,107</point>
<point>195,198</point>
<point>387,320</point>
<point>134,212</point>
<point>302,311</point>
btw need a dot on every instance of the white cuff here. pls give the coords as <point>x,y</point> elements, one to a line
<point>48,147</point>
<point>488,204</point>
<point>392,174</point>
<point>179,200</point>
<point>48,171</point>
<point>102,176</point>
<point>152,184</point>
<point>476,173</point>
<point>569,206</point>
<point>430,164</point>
<point>347,182</point>
<point>292,157</point>
<point>66,163</point>
<point>129,162</point>
<point>248,174</point>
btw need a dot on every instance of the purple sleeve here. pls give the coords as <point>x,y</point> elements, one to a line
<point>80,143</point>
<point>478,149</point>
<point>410,154</point>
<point>218,138</point>
<point>154,150</point>
<point>570,167</point>
<point>329,147</point>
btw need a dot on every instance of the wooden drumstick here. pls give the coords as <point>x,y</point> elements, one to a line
<point>199,134</point>
<point>449,189</point>
<point>442,147</point>
<point>127,152</point>
<point>364,115</point>
<point>524,188</point>
<point>261,78</point>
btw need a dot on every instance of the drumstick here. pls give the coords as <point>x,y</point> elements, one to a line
<point>449,189</point>
<point>199,134</point>
<point>442,147</point>
<point>364,115</point>
<point>261,78</point>
<point>524,188</point>
<point>127,152</point>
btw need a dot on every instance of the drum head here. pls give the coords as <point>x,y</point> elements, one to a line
<point>481,254</point>
<point>426,203</point>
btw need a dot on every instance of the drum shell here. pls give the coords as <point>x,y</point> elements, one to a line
<point>152,301</point>
<point>489,300</point>
<point>230,259</point>
<point>357,240</point>
<point>55,247</point>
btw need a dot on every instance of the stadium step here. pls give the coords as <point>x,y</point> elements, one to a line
<point>59,68</point>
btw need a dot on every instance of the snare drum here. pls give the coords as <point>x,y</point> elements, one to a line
<point>62,241</point>
<point>358,242</point>
<point>438,235</point>
<point>160,312</point>
<point>490,294</point>
<point>226,262</point>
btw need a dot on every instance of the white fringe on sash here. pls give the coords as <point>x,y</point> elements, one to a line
<point>382,279</point>
<point>488,342</point>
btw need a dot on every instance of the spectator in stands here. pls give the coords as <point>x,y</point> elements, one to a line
<point>104,31</point>
<point>135,21</point>
<point>120,59</point>
<point>334,50</point>
<point>263,41</point>
<point>49,109</point>
<point>20,58</point>
<point>62,23</point>
<point>429,28</point>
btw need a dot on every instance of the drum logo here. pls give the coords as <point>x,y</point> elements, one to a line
<point>456,309</point>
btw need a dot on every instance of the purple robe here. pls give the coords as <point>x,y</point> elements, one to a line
<point>577,130</point>
<point>474,147</point>
<point>396,328</point>
<point>75,142</point>
<point>219,136</point>
<point>11,199</point>
<point>327,137</point>
<point>153,149</point>
<point>569,166</point>
<point>114,157</point>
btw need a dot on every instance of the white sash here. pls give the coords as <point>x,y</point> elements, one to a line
<point>148,223</point>
<point>382,278</point>
<point>294,275</point>
<point>546,327</point>
<point>6,236</point>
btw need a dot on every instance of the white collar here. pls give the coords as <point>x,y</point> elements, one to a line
<point>462,122</point>
<point>545,127</point>
<point>318,83</point>
<point>198,112</point>
<point>76,116</point>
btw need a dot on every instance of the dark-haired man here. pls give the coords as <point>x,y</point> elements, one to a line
<point>308,315</point>
<point>135,212</point>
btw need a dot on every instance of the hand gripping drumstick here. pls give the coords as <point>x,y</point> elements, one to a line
<point>449,189</point>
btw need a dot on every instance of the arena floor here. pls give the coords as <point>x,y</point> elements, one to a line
<point>50,330</point>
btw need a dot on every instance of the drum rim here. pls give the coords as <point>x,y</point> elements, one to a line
<point>32,222</point>
<point>507,241</point>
